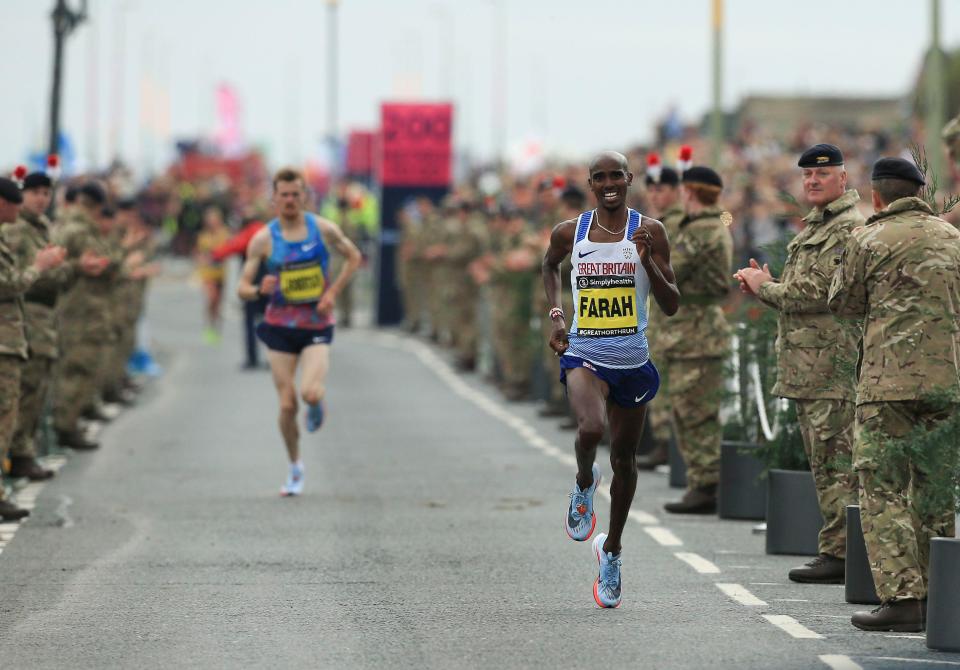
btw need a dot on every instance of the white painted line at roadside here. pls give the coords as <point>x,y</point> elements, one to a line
<point>840,662</point>
<point>792,627</point>
<point>908,637</point>
<point>697,562</point>
<point>741,595</point>
<point>790,600</point>
<point>663,536</point>
<point>644,518</point>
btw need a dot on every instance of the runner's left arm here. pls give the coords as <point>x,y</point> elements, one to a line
<point>334,237</point>
<point>654,251</point>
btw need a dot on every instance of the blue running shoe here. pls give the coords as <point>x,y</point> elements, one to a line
<point>580,520</point>
<point>294,483</point>
<point>606,590</point>
<point>314,417</point>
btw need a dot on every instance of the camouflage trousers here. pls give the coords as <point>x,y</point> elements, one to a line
<point>696,391</point>
<point>10,370</point>
<point>463,320</point>
<point>659,412</point>
<point>413,287</point>
<point>512,339</point>
<point>34,385</point>
<point>827,430</point>
<point>119,355</point>
<point>898,514</point>
<point>79,371</point>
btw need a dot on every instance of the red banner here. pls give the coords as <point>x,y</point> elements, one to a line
<point>360,145</point>
<point>415,144</point>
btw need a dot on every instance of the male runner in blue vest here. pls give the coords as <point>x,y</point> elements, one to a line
<point>298,323</point>
<point>619,257</point>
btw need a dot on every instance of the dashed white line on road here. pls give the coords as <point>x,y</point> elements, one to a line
<point>741,595</point>
<point>913,660</point>
<point>644,518</point>
<point>663,536</point>
<point>840,662</point>
<point>793,627</point>
<point>697,562</point>
<point>790,600</point>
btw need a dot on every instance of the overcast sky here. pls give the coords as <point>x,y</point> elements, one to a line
<point>580,76</point>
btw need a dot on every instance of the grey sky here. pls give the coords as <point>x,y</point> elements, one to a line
<point>582,76</point>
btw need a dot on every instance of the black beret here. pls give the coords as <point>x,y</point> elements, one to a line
<point>573,193</point>
<point>37,180</point>
<point>70,195</point>
<point>94,191</point>
<point>701,174</point>
<point>897,168</point>
<point>126,204</point>
<point>821,155</point>
<point>668,176</point>
<point>9,191</point>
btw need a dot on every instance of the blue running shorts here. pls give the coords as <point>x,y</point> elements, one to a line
<point>292,340</point>
<point>629,387</point>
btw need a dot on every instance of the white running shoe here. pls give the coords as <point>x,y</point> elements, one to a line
<point>294,483</point>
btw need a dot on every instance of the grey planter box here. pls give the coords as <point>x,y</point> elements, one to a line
<point>793,515</point>
<point>943,598</point>
<point>743,491</point>
<point>858,580</point>
<point>678,469</point>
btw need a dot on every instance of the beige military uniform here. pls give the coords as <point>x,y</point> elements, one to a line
<point>25,238</point>
<point>901,274</point>
<point>466,241</point>
<point>816,359</point>
<point>510,292</point>
<point>698,341</point>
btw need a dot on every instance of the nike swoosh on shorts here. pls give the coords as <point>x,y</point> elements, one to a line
<point>641,397</point>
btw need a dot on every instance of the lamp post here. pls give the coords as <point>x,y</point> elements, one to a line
<point>933,84</point>
<point>332,83</point>
<point>65,21</point>
<point>716,117</point>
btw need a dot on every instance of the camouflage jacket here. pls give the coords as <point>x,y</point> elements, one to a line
<point>85,310</point>
<point>26,237</point>
<point>901,274</point>
<point>657,320</point>
<point>816,351</point>
<point>701,256</point>
<point>14,281</point>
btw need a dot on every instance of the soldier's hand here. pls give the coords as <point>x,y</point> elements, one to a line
<point>135,259</point>
<point>49,257</point>
<point>558,338</point>
<point>643,239</point>
<point>268,285</point>
<point>93,265</point>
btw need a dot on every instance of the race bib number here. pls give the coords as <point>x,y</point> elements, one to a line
<point>301,283</point>
<point>607,307</point>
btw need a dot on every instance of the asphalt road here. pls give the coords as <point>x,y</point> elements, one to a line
<point>429,537</point>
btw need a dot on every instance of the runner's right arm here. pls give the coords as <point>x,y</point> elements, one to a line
<point>561,244</point>
<point>257,252</point>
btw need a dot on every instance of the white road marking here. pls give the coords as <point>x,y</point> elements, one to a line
<point>909,637</point>
<point>663,536</point>
<point>790,600</point>
<point>741,595</point>
<point>697,562</point>
<point>644,518</point>
<point>840,662</point>
<point>792,627</point>
<point>914,660</point>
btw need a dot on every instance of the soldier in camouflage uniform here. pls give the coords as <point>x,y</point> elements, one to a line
<point>511,283</point>
<point>663,192</point>
<point>466,243</point>
<point>26,238</point>
<point>816,352</point>
<point>951,137</point>
<point>548,213</point>
<point>697,342</point>
<point>432,251</point>
<point>15,280</point>
<point>86,331</point>
<point>900,273</point>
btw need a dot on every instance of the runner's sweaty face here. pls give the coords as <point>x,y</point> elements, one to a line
<point>288,198</point>
<point>609,180</point>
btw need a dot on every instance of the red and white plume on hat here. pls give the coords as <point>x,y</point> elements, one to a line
<point>685,159</point>
<point>19,174</point>
<point>654,167</point>
<point>559,183</point>
<point>53,166</point>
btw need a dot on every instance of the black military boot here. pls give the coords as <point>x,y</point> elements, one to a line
<point>901,616</point>
<point>10,512</point>
<point>75,440</point>
<point>702,500</point>
<point>27,466</point>
<point>95,413</point>
<point>824,569</point>
<point>650,461</point>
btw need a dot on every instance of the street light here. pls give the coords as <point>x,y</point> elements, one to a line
<point>332,71</point>
<point>65,21</point>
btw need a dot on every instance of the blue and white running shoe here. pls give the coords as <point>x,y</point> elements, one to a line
<point>580,519</point>
<point>314,417</point>
<point>294,483</point>
<point>606,590</point>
